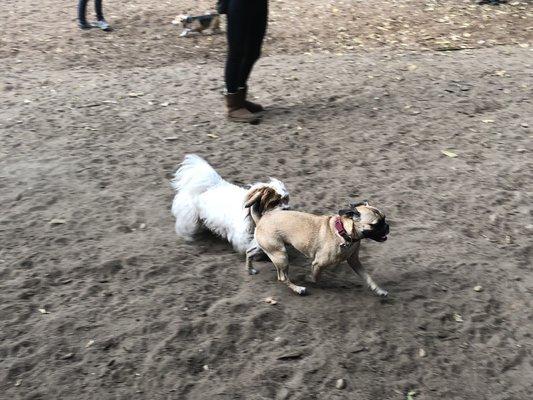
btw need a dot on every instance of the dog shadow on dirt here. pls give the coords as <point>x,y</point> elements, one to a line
<point>339,278</point>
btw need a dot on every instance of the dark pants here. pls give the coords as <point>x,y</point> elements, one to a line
<point>247,22</point>
<point>82,7</point>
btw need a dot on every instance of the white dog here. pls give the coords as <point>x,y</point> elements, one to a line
<point>203,198</point>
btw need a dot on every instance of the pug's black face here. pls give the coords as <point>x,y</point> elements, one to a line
<point>370,222</point>
<point>378,231</point>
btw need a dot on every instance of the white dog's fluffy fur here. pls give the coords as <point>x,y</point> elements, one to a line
<point>203,198</point>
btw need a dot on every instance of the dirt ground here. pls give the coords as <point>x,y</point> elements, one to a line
<point>423,107</point>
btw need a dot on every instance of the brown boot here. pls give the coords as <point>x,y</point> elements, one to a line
<point>237,111</point>
<point>250,106</point>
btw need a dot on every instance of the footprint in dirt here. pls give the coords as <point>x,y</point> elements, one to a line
<point>267,320</point>
<point>23,348</point>
<point>18,368</point>
<point>111,267</point>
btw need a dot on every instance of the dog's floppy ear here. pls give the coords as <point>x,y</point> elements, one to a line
<point>359,203</point>
<point>349,213</point>
<point>253,197</point>
<point>269,199</point>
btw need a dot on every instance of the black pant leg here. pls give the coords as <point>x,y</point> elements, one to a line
<point>82,8</point>
<point>255,34</point>
<point>98,10</point>
<point>237,18</point>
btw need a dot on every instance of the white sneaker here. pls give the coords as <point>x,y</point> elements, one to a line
<point>102,24</point>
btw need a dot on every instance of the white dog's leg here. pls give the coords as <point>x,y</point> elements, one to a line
<point>252,251</point>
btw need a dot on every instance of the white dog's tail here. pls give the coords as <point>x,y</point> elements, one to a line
<point>193,177</point>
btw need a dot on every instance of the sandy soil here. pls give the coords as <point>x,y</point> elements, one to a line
<point>98,300</point>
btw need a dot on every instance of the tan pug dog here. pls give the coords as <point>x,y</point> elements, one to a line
<point>327,240</point>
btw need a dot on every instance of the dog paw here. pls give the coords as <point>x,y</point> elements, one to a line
<point>302,291</point>
<point>381,292</point>
<point>253,271</point>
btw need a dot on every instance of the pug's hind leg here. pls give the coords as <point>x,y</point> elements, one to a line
<point>281,262</point>
<point>358,268</point>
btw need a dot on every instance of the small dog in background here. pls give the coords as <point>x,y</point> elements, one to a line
<point>327,239</point>
<point>204,199</point>
<point>198,23</point>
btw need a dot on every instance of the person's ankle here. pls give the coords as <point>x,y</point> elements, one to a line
<point>83,24</point>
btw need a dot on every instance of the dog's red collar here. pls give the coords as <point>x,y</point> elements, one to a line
<point>339,227</point>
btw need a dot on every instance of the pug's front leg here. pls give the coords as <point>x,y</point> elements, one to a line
<point>316,271</point>
<point>358,268</point>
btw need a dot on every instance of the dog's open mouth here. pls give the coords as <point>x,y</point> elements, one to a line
<point>382,238</point>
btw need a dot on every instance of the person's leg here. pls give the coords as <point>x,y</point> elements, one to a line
<point>82,19</point>
<point>237,17</point>
<point>98,10</point>
<point>100,20</point>
<point>255,34</point>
